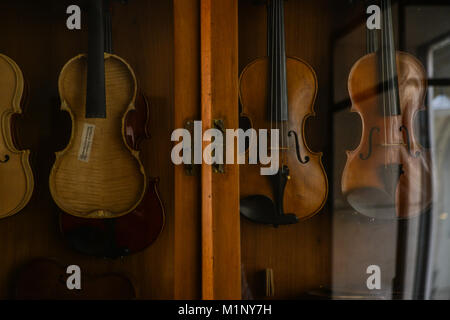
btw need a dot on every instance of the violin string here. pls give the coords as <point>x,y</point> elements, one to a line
<point>281,100</point>
<point>393,71</point>
<point>282,77</point>
<point>383,77</point>
<point>274,66</point>
<point>389,73</point>
<point>270,52</point>
<point>277,71</point>
<point>386,69</point>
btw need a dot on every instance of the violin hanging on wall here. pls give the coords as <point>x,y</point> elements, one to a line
<point>135,231</point>
<point>97,175</point>
<point>389,174</point>
<point>16,176</point>
<point>278,92</point>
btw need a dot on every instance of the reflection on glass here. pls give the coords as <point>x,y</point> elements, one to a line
<point>439,98</point>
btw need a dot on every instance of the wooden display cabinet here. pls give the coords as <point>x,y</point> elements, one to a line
<point>299,255</point>
<point>34,34</point>
<point>161,40</point>
<point>187,56</point>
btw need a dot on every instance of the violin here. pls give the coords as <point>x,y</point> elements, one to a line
<point>278,92</point>
<point>129,234</point>
<point>16,175</point>
<point>135,231</point>
<point>46,279</point>
<point>389,174</point>
<point>97,175</point>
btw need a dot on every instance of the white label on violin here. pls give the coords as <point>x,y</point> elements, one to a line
<point>86,142</point>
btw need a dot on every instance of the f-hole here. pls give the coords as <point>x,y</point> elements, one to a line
<point>408,142</point>
<point>297,148</point>
<point>6,159</point>
<point>370,144</point>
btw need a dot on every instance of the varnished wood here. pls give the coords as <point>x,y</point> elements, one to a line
<point>43,129</point>
<point>221,272</point>
<point>300,254</point>
<point>187,238</point>
<point>307,190</point>
<point>151,53</point>
<point>133,232</point>
<point>45,279</point>
<point>16,177</point>
<point>225,190</point>
<point>207,200</point>
<point>363,182</point>
<point>112,182</point>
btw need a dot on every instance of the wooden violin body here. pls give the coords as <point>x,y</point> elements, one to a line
<point>307,186</point>
<point>16,177</point>
<point>98,175</point>
<point>277,94</point>
<point>118,237</point>
<point>388,174</point>
<point>46,279</point>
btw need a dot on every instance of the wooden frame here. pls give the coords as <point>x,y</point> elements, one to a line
<point>207,231</point>
<point>187,273</point>
<point>221,266</point>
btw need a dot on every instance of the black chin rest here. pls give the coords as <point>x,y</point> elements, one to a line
<point>261,209</point>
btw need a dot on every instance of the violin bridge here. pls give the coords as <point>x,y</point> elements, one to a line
<point>394,144</point>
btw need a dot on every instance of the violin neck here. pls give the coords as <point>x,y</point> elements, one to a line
<point>96,93</point>
<point>278,105</point>
<point>388,62</point>
<point>372,43</point>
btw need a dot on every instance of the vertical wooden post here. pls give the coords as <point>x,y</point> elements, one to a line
<point>207,201</point>
<point>208,78</point>
<point>221,272</point>
<point>187,268</point>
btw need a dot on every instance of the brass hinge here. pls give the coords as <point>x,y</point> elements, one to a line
<point>220,125</point>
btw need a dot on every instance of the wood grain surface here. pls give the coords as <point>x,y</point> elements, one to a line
<point>366,186</point>
<point>187,238</point>
<point>111,181</point>
<point>34,34</point>
<point>225,186</point>
<point>307,189</point>
<point>299,255</point>
<point>51,284</point>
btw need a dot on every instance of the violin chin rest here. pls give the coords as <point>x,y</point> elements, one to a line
<point>373,203</point>
<point>261,209</point>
